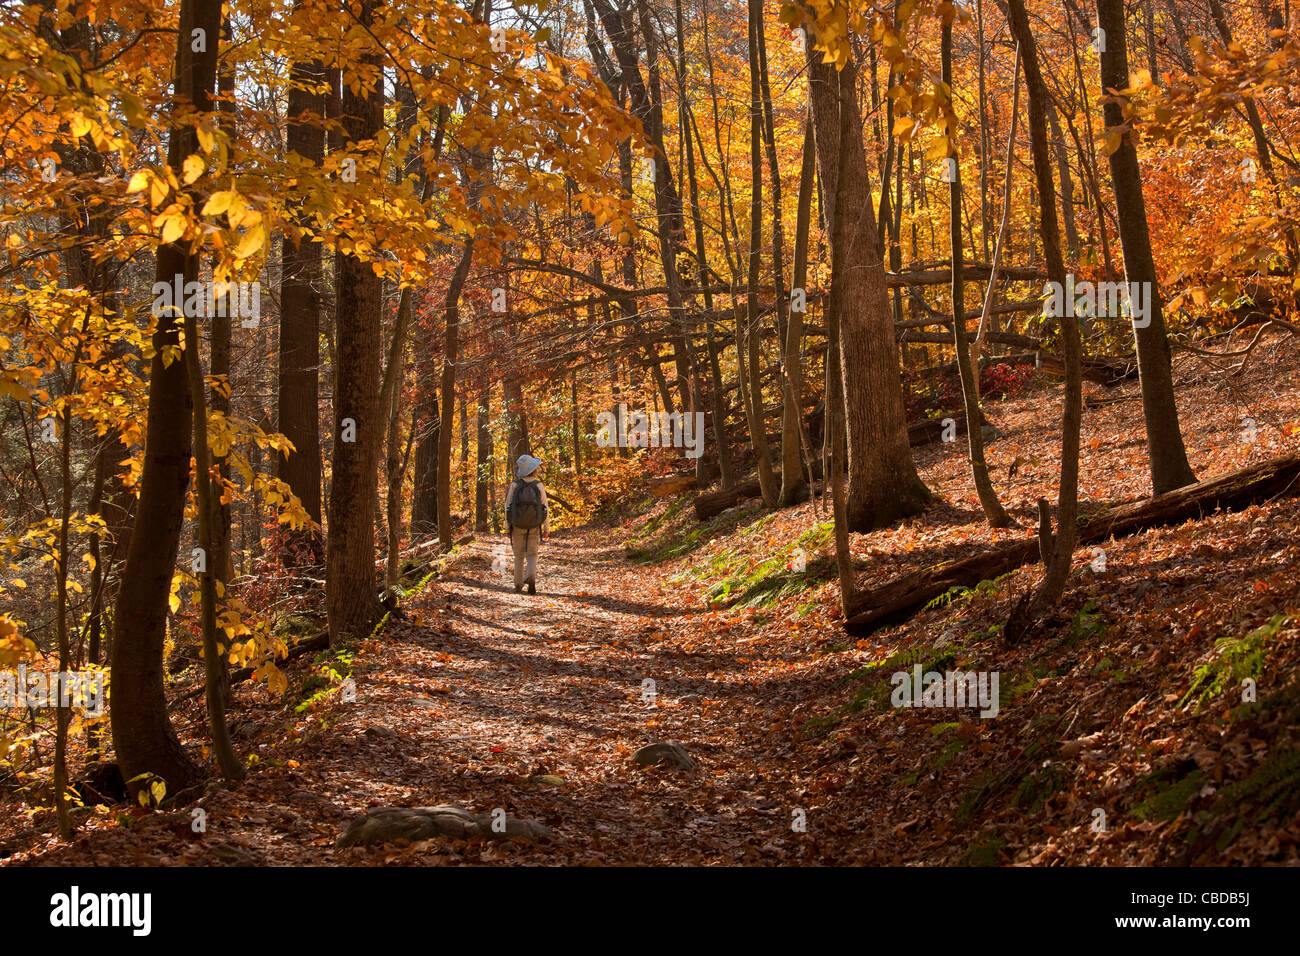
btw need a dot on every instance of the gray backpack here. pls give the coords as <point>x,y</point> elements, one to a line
<point>526,509</point>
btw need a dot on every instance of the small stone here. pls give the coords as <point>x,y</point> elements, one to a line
<point>673,755</point>
<point>389,824</point>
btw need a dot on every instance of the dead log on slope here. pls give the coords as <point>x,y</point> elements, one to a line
<point>1103,370</point>
<point>713,503</point>
<point>902,597</point>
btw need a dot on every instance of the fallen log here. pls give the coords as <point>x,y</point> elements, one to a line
<point>1102,370</point>
<point>931,430</point>
<point>986,361</point>
<point>318,643</point>
<point>713,503</point>
<point>671,485</point>
<point>902,597</point>
<point>939,318</point>
<point>1014,339</point>
<point>975,271</point>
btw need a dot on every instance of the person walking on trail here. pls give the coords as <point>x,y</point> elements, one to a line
<point>527,520</point>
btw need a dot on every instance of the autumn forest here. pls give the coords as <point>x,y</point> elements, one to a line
<point>657,432</point>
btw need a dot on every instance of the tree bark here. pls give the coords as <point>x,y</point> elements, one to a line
<point>1165,451</point>
<point>214,649</point>
<point>750,344</point>
<point>1059,551</point>
<point>793,442</point>
<point>350,556</point>
<point>450,356</point>
<point>298,401</point>
<point>966,369</point>
<point>424,492</point>
<point>483,453</point>
<point>143,736</point>
<point>883,484</point>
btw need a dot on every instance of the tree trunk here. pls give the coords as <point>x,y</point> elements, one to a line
<point>749,346</point>
<point>967,371</point>
<point>883,485</point>
<point>1168,457</point>
<point>298,402</point>
<point>358,419</point>
<point>517,441</point>
<point>1057,552</point>
<point>424,492</point>
<point>142,732</point>
<point>450,355</point>
<point>396,450</point>
<point>483,450</point>
<point>214,649</point>
<point>793,441</point>
<point>717,407</point>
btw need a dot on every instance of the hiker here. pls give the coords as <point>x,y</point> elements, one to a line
<point>526,519</point>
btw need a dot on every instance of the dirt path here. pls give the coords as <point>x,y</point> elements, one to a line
<point>481,691</point>
<point>477,694</point>
<point>495,687</point>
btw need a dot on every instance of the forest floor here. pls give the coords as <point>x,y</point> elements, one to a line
<point>665,629</point>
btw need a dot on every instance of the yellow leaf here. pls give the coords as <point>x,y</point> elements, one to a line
<point>252,241</point>
<point>157,191</point>
<point>139,182</point>
<point>173,227</point>
<point>217,203</point>
<point>193,168</point>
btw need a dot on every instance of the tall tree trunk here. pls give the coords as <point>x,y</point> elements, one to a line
<point>350,555</point>
<point>396,449</point>
<point>214,652</point>
<point>517,441</point>
<point>716,402</point>
<point>753,395</point>
<point>966,370</point>
<point>793,440</point>
<point>1057,551</point>
<point>483,450</point>
<point>1165,451</point>
<point>464,451</point>
<point>999,246</point>
<point>142,732</point>
<point>298,402</point>
<point>450,356</point>
<point>1067,184</point>
<point>424,493</point>
<point>847,133</point>
<point>986,141</point>
<point>219,398</point>
<point>883,485</point>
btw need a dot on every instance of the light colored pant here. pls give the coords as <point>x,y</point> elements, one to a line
<point>525,542</point>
